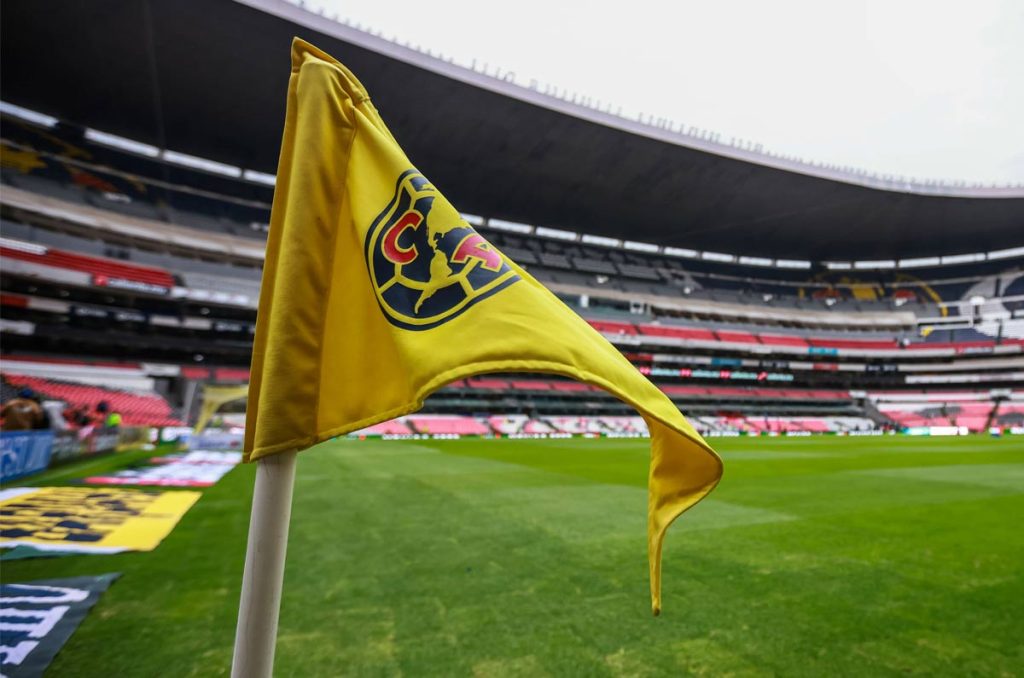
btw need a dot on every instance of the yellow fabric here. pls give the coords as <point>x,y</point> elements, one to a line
<point>337,350</point>
<point>863,292</point>
<point>23,161</point>
<point>215,397</point>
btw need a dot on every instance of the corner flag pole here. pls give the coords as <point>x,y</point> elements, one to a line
<point>256,635</point>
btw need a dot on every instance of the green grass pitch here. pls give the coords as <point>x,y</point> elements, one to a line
<point>814,557</point>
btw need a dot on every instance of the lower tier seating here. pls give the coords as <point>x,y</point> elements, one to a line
<point>519,424</point>
<point>136,409</point>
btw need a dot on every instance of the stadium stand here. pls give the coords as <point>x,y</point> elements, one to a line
<point>109,256</point>
<point>388,428</point>
<point>135,408</point>
<point>446,425</point>
<point>78,173</point>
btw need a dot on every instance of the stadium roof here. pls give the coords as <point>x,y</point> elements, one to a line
<point>208,78</point>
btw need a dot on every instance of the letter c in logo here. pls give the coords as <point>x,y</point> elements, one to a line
<point>394,252</point>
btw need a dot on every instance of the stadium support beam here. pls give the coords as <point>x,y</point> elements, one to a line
<point>256,635</point>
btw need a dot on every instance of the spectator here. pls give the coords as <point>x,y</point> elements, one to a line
<point>24,412</point>
<point>80,417</point>
<point>109,418</point>
<point>44,422</point>
<point>53,410</point>
<point>76,417</point>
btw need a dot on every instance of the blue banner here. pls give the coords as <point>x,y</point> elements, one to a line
<point>23,453</point>
<point>40,616</point>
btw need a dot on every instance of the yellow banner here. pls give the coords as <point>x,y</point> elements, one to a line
<point>90,520</point>
<point>215,397</point>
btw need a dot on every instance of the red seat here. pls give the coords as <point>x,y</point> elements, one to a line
<point>737,337</point>
<point>101,269</point>
<point>444,425</point>
<point>613,327</point>
<point>489,384</point>
<point>393,427</point>
<point>136,409</point>
<point>571,386</point>
<point>678,332</point>
<point>854,343</point>
<point>531,385</point>
<point>782,340</point>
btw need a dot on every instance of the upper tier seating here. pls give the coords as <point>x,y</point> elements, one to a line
<point>103,271</point>
<point>571,386</point>
<point>60,162</point>
<point>488,384</point>
<point>69,162</point>
<point>675,332</point>
<point>782,340</point>
<point>853,343</point>
<point>811,343</point>
<point>531,385</point>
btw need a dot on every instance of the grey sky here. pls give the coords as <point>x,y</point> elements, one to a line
<point>926,89</point>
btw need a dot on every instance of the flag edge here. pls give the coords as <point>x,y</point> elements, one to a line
<point>462,372</point>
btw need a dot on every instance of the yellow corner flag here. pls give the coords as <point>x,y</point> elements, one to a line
<point>376,292</point>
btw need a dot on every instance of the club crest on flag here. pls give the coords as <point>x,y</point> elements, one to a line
<point>426,263</point>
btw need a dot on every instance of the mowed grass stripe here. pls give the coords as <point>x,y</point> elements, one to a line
<point>823,556</point>
<point>1002,476</point>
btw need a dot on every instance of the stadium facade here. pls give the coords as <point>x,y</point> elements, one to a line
<point>761,293</point>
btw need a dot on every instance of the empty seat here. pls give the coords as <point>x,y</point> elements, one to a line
<point>594,266</point>
<point>447,425</point>
<point>136,409</point>
<point>554,260</point>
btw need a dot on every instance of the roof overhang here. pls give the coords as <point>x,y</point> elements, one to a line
<point>209,77</point>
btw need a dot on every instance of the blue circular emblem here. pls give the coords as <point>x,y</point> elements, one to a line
<point>426,263</point>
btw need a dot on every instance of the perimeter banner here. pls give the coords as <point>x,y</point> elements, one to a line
<point>196,469</point>
<point>90,520</point>
<point>40,616</point>
<point>68,445</point>
<point>23,453</point>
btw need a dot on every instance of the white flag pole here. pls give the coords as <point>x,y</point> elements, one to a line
<point>256,635</point>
